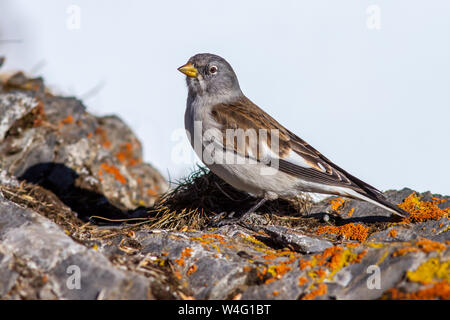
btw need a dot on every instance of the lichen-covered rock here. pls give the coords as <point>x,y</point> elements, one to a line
<point>394,260</point>
<point>38,260</point>
<point>54,142</point>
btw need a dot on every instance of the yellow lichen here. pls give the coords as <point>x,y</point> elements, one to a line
<point>350,212</point>
<point>334,258</point>
<point>376,245</point>
<point>383,257</point>
<point>430,271</point>
<point>254,240</point>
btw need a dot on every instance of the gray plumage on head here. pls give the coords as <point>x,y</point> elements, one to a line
<point>215,77</point>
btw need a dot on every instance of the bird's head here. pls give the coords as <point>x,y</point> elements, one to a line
<point>210,76</point>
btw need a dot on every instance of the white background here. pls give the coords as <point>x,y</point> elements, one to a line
<point>374,101</point>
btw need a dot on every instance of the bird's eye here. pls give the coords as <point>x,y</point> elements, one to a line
<point>212,69</point>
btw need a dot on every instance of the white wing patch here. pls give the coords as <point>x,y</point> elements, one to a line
<point>321,167</point>
<point>296,159</point>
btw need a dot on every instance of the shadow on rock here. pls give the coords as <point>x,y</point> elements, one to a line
<point>64,183</point>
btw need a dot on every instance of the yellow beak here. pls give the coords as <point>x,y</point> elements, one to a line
<point>189,70</point>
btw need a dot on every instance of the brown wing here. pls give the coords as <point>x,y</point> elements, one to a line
<point>244,114</point>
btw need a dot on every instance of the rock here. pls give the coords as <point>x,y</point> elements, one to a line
<point>37,256</point>
<point>54,142</point>
<point>14,107</point>
<point>223,263</point>
<point>299,242</point>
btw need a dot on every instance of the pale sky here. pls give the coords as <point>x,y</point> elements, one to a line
<point>367,83</point>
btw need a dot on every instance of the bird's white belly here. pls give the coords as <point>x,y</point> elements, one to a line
<point>255,178</point>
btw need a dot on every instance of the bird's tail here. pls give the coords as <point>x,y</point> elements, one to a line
<point>382,202</point>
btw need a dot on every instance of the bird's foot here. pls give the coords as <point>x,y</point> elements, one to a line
<point>245,220</point>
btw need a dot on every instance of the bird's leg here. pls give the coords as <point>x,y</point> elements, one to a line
<point>252,209</point>
<point>240,219</point>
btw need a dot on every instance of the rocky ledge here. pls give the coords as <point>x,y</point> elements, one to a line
<point>83,217</point>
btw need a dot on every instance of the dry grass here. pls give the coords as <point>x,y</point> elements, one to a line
<point>188,206</point>
<point>198,197</point>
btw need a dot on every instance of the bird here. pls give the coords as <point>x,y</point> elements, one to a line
<point>247,148</point>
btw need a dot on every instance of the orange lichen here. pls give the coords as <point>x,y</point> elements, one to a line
<point>321,290</point>
<point>427,245</point>
<point>348,231</point>
<point>67,120</point>
<point>126,155</point>
<point>278,270</point>
<point>336,203</point>
<point>440,290</point>
<point>191,270</point>
<point>38,113</point>
<point>424,245</point>
<point>247,268</point>
<point>303,264</point>
<point>423,210</point>
<point>392,233</point>
<point>360,256</point>
<point>112,170</point>
<point>321,273</point>
<point>216,236</point>
<point>302,281</point>
<point>403,251</point>
<point>329,262</point>
<point>330,257</point>
<point>103,137</point>
<point>270,256</point>
<point>291,260</point>
<point>275,293</point>
<point>187,252</point>
<point>261,272</point>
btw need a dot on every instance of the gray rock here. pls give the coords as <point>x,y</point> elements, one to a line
<point>34,247</point>
<point>298,241</point>
<point>52,141</point>
<point>14,106</point>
